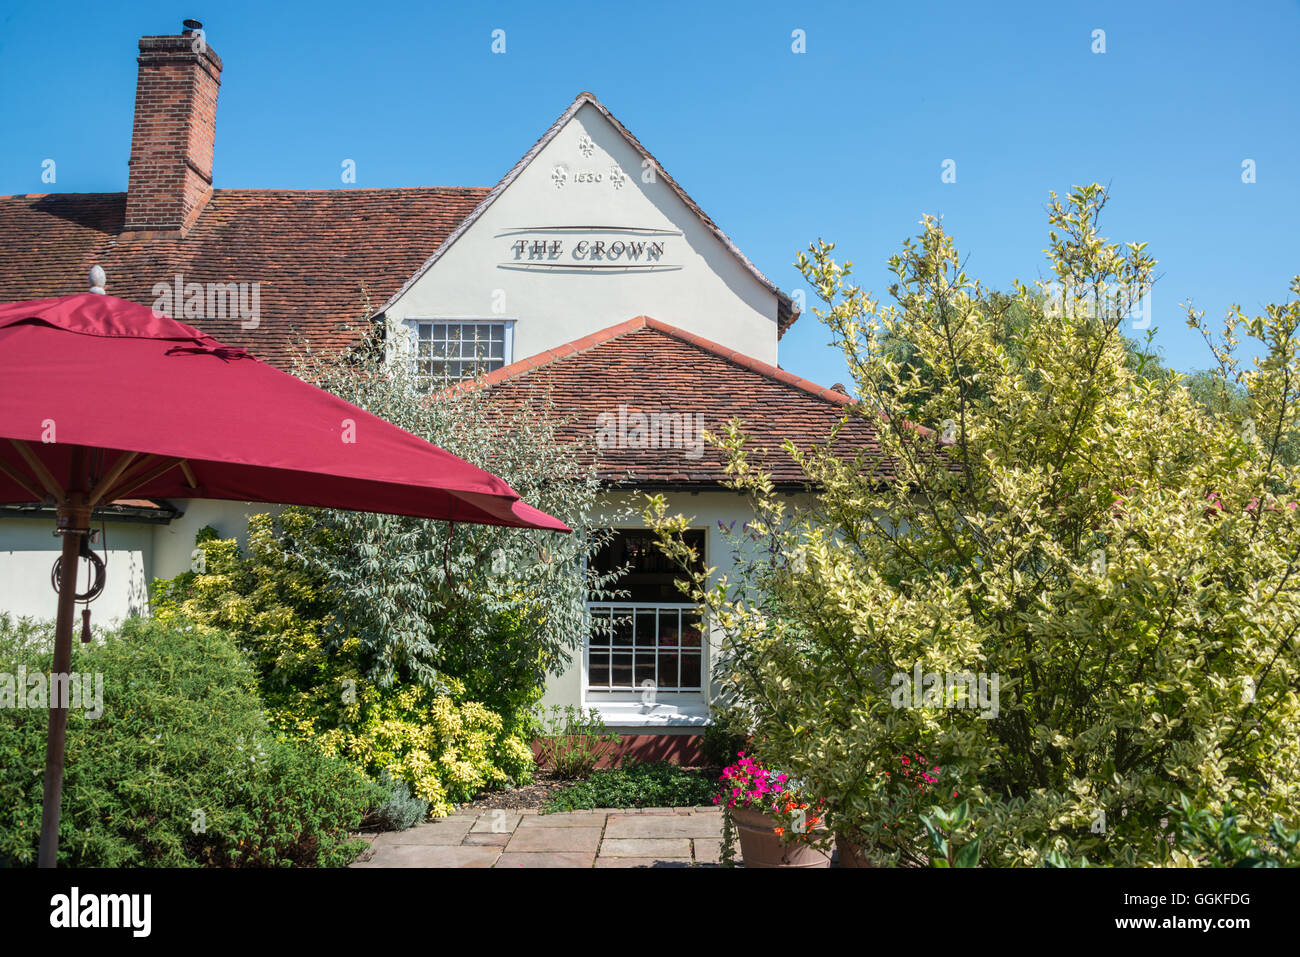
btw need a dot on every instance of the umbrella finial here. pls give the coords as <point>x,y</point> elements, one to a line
<point>97,280</point>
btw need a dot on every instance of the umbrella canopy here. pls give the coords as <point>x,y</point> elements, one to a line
<point>101,399</point>
<point>173,413</point>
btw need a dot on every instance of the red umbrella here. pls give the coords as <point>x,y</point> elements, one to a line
<point>103,399</point>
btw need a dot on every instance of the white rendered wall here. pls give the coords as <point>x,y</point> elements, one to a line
<point>28,550</point>
<point>173,545</point>
<point>698,285</point>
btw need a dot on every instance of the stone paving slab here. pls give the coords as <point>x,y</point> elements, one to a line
<point>656,847</point>
<point>707,850</point>
<point>566,819</point>
<point>496,822</point>
<point>606,837</point>
<point>555,839</point>
<point>694,825</point>
<point>431,855</point>
<point>569,859</point>
<point>607,862</point>
<point>449,830</point>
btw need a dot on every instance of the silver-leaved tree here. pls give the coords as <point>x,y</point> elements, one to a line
<point>499,607</point>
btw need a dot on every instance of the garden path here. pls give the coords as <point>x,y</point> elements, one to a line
<point>607,837</point>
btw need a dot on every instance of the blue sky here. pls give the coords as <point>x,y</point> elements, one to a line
<point>845,141</point>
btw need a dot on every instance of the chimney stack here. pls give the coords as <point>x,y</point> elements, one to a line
<point>175,125</point>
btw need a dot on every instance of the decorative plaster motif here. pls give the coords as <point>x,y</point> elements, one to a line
<point>559,176</point>
<point>617,177</point>
<point>585,146</point>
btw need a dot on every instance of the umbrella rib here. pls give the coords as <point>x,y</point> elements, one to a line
<point>37,466</point>
<point>134,471</point>
<point>21,480</point>
<point>141,480</point>
<point>111,476</point>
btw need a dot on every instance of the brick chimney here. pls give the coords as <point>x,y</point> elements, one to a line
<point>175,124</point>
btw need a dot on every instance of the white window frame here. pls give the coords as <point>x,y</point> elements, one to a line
<point>667,707</point>
<point>636,610</point>
<point>507,345</point>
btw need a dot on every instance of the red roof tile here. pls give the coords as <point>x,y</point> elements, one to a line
<point>650,367</point>
<point>325,260</point>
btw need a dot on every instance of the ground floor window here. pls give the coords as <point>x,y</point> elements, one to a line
<point>651,638</point>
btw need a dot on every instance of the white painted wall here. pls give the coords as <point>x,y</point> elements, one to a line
<point>137,554</point>
<point>173,545</point>
<point>28,550</point>
<point>709,293</point>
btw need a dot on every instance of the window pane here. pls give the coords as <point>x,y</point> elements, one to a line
<point>599,669</point>
<point>600,627</point>
<point>690,629</point>
<point>645,629</point>
<point>690,670</point>
<point>622,626</point>
<point>650,576</point>
<point>668,669</point>
<point>669,628</point>
<point>621,674</point>
<point>645,668</point>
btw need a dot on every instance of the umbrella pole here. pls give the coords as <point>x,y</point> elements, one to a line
<point>73,522</point>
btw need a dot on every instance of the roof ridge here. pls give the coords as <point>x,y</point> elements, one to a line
<point>347,191</point>
<point>269,189</point>
<point>47,195</point>
<point>736,357</point>
<point>600,337</point>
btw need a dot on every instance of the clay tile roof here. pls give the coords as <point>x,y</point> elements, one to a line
<point>647,366</point>
<point>325,260</point>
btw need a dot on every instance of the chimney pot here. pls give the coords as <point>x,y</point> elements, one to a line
<point>191,27</point>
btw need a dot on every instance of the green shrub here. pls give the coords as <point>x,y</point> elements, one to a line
<point>447,749</point>
<point>657,784</point>
<point>180,770</point>
<point>400,810</point>
<point>724,737</point>
<point>573,741</point>
<point>1225,839</point>
<point>1062,579</point>
<point>445,743</point>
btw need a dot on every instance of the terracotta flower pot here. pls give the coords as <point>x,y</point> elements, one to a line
<point>761,846</point>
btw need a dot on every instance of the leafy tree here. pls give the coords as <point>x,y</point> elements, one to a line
<point>411,647</point>
<point>1119,561</point>
<point>497,607</point>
